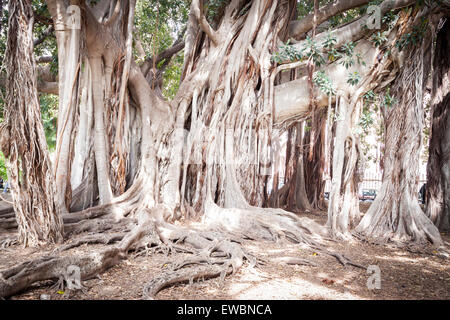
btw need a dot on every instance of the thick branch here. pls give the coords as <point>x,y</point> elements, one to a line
<point>44,35</point>
<point>203,23</point>
<point>356,30</point>
<point>292,100</point>
<point>165,55</point>
<point>300,27</point>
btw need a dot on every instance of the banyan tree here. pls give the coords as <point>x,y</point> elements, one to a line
<point>129,163</point>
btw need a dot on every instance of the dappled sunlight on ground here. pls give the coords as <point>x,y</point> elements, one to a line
<point>260,285</point>
<point>404,274</point>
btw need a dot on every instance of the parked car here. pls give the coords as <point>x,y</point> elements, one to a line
<point>368,195</point>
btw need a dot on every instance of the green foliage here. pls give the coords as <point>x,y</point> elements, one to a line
<point>349,48</point>
<point>324,83</point>
<point>388,101</point>
<point>390,18</point>
<point>328,45</point>
<point>366,121</point>
<point>213,7</point>
<point>353,78</point>
<point>49,113</point>
<point>306,7</point>
<point>369,97</point>
<point>313,52</point>
<point>287,53</point>
<point>414,37</point>
<point>348,51</point>
<point>172,76</point>
<point>329,42</point>
<point>158,25</point>
<point>379,38</point>
<point>3,172</point>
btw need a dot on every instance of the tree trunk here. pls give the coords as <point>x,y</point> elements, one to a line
<point>343,207</point>
<point>23,137</point>
<point>314,160</point>
<point>395,214</point>
<point>68,42</point>
<point>438,170</point>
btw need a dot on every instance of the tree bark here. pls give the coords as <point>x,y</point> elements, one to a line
<point>438,170</point>
<point>395,214</point>
<point>343,207</point>
<point>23,140</point>
<point>314,160</point>
<point>68,42</point>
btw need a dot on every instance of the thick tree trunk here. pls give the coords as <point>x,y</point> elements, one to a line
<point>227,100</point>
<point>314,160</point>
<point>395,214</point>
<point>68,41</point>
<point>438,170</point>
<point>23,138</point>
<point>100,147</point>
<point>343,208</point>
<point>292,196</point>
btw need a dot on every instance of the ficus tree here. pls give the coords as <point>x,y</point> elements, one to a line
<point>129,160</point>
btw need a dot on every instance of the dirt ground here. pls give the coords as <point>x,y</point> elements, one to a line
<point>404,274</point>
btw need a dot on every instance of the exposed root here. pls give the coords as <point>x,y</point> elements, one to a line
<point>181,276</point>
<point>295,261</point>
<point>93,239</point>
<point>20,277</point>
<point>213,257</point>
<point>8,242</point>
<point>341,258</point>
<point>266,224</point>
<point>214,252</point>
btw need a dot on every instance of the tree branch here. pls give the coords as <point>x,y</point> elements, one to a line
<point>114,15</point>
<point>197,9</point>
<point>356,30</point>
<point>44,35</point>
<point>44,59</point>
<point>292,99</point>
<point>165,55</point>
<point>300,27</point>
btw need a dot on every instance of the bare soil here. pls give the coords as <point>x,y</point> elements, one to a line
<point>405,274</point>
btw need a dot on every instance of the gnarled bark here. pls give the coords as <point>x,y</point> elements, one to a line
<point>395,214</point>
<point>438,170</point>
<point>23,139</point>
